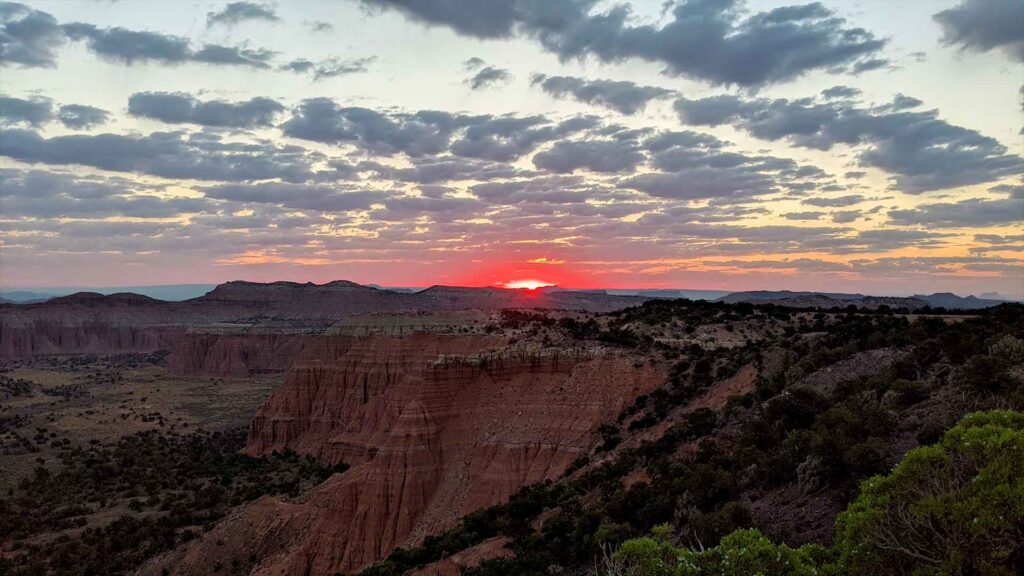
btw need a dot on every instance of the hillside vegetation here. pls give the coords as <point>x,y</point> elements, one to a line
<point>840,398</point>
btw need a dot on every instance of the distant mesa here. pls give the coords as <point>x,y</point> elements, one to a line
<point>837,299</point>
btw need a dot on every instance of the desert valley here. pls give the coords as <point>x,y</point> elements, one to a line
<point>511,288</point>
<point>298,429</point>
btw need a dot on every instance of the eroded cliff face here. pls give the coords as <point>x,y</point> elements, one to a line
<point>46,337</point>
<point>234,355</point>
<point>434,427</point>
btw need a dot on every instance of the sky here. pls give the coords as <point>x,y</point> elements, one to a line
<point>855,146</point>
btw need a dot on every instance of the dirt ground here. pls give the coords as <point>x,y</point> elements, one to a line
<point>78,401</point>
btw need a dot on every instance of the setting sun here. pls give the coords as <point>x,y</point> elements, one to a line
<point>526,284</point>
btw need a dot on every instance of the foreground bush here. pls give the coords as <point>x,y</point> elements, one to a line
<point>954,508</point>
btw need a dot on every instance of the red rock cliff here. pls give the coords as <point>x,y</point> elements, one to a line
<point>234,355</point>
<point>434,427</point>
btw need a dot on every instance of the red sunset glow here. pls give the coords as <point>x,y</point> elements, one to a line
<point>526,284</point>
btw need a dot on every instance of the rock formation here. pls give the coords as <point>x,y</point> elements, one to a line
<point>234,355</point>
<point>434,426</point>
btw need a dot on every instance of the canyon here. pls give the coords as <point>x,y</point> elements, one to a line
<point>433,426</point>
<point>434,423</point>
<point>342,429</point>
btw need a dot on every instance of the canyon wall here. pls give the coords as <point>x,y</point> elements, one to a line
<point>434,427</point>
<point>46,337</point>
<point>234,355</point>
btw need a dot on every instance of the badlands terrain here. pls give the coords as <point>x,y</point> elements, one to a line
<point>302,429</point>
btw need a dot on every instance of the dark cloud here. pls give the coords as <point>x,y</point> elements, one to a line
<point>983,25</point>
<point>33,112</point>
<point>39,194</point>
<point>431,170</point>
<point>329,68</point>
<point>810,215</point>
<point>38,111</point>
<point>971,212</point>
<point>919,150</point>
<point>489,77</point>
<point>506,138</point>
<point>840,92</point>
<point>165,154</point>
<point>869,65</point>
<point>80,117</point>
<point>549,189</point>
<point>131,46</point>
<point>713,40</point>
<point>622,96</point>
<point>322,120</point>
<point>178,108</point>
<point>236,12</point>
<point>440,208</point>
<point>319,26</point>
<point>609,156</point>
<point>297,196</point>
<point>839,202</point>
<point>697,166</point>
<point>497,138</point>
<point>28,37</point>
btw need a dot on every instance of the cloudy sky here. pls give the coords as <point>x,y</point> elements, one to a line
<point>862,145</point>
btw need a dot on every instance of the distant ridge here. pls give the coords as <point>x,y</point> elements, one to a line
<point>170,292</point>
<point>945,300</point>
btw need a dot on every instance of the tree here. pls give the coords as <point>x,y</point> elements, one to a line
<point>952,508</point>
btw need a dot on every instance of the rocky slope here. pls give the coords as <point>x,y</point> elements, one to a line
<point>434,427</point>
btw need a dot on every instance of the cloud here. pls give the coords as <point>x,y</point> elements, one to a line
<point>984,25</point>
<point>322,120</point>
<point>427,132</point>
<point>711,40</point>
<point>489,77</point>
<point>237,12</point>
<point>442,208</point>
<point>840,92</point>
<point>971,212</point>
<point>165,154</point>
<point>920,151</point>
<point>319,26</point>
<point>811,215</point>
<point>329,68</point>
<point>33,112</point>
<point>178,108</point>
<point>37,111</point>
<point>506,138</point>
<point>28,37</point>
<point>80,117</point>
<point>698,166</point>
<point>297,196</point>
<point>434,169</point>
<point>622,96</point>
<point>838,202</point>
<point>37,194</point>
<point>845,216</point>
<point>608,156</point>
<point>129,46</point>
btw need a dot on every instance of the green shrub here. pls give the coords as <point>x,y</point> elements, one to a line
<point>954,508</point>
